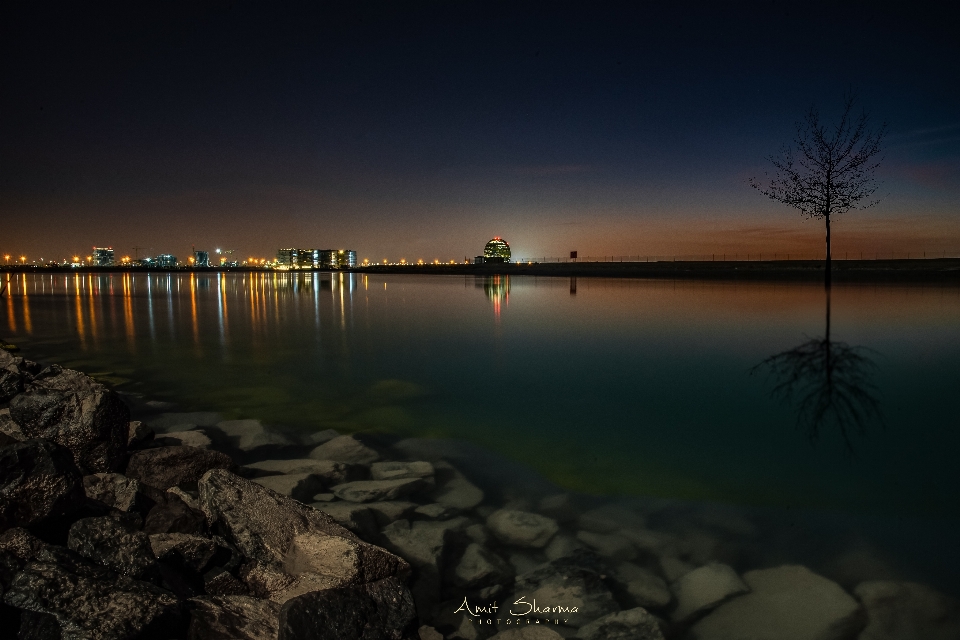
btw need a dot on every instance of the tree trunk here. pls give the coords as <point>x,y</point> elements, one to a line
<point>826,275</point>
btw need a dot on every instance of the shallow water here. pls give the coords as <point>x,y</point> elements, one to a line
<point>604,386</point>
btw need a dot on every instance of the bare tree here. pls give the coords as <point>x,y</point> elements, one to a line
<point>831,169</point>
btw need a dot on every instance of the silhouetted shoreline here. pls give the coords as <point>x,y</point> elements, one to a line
<point>901,270</point>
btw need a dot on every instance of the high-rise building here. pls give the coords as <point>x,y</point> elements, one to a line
<point>201,258</point>
<point>298,258</point>
<point>287,258</point>
<point>497,250</point>
<point>166,261</point>
<point>103,256</point>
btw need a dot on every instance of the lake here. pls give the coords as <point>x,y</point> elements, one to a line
<point>603,386</point>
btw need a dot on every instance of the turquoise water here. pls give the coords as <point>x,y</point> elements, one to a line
<point>640,387</point>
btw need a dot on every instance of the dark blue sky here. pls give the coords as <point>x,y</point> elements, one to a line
<point>420,130</point>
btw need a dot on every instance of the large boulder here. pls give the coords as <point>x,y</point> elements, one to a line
<point>116,491</point>
<point>907,611</point>
<point>114,544</point>
<point>284,534</point>
<point>381,610</point>
<point>73,410</point>
<point>632,624</point>
<point>572,581</point>
<point>233,618</point>
<point>38,482</point>
<point>522,528</point>
<point>92,602</point>
<point>166,467</point>
<point>11,377</point>
<point>193,551</point>
<point>785,603</point>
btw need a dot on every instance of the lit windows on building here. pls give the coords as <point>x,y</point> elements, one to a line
<point>497,250</point>
<point>103,256</point>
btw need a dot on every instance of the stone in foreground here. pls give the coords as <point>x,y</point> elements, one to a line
<point>113,544</point>
<point>76,412</point>
<point>705,588</point>
<point>786,603</point>
<point>38,481</point>
<point>381,610</point>
<point>632,624</point>
<point>522,528</point>
<point>233,618</point>
<point>166,467</point>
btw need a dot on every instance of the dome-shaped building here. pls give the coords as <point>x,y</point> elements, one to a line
<point>497,250</point>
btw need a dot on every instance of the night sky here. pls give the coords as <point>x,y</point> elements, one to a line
<point>421,130</point>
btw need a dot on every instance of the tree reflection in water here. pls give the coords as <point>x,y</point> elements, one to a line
<point>828,384</point>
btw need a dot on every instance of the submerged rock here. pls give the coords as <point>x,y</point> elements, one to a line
<point>532,632</point>
<point>76,412</point>
<point>521,528</point>
<point>299,486</point>
<point>250,434</point>
<point>453,488</point>
<point>573,581</point>
<point>330,471</point>
<point>479,567</point>
<point>233,618</point>
<point>166,467</point>
<point>704,589</point>
<point>197,439</point>
<point>377,490</point>
<point>38,482</point>
<point>632,624</point>
<point>907,610</point>
<point>345,449</point>
<point>644,588</point>
<point>400,470</point>
<point>785,603</point>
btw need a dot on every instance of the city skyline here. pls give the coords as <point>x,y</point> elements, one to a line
<point>421,131</point>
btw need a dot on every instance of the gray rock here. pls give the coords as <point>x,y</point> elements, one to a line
<point>330,471</point>
<point>453,488</point>
<point>92,602</point>
<point>632,624</point>
<point>785,603</point>
<point>608,545</point>
<point>115,490</point>
<point>76,412</point>
<point>138,433</point>
<point>183,421</point>
<point>233,618</point>
<point>11,377</point>
<point>704,589</point>
<point>299,486</point>
<point>166,467</point>
<point>644,588</point>
<point>358,518</point>
<point>559,506</point>
<point>38,482</point>
<point>562,544</point>
<point>197,439</point>
<point>195,551</point>
<point>10,428</point>
<point>479,567</point>
<point>345,449</point>
<point>382,610</point>
<point>170,514</point>
<point>426,632</point>
<point>187,498</point>
<point>526,562</point>
<point>521,528</point>
<point>907,611</point>
<point>532,632</point>
<point>324,497</point>
<point>114,544</point>
<point>283,533</point>
<point>250,434</point>
<point>478,533</point>
<point>436,511</point>
<point>610,518</point>
<point>572,581</point>
<point>391,510</point>
<point>220,582</point>
<point>657,543</point>
<point>423,544</point>
<point>376,490</point>
<point>400,470</point>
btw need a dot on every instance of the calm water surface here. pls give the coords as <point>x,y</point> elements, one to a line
<point>638,387</point>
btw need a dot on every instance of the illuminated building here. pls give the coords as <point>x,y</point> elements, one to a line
<point>298,258</point>
<point>201,259</point>
<point>166,261</point>
<point>103,256</point>
<point>497,250</point>
<point>338,259</point>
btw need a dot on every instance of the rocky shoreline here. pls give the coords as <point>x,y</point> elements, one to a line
<point>186,526</point>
